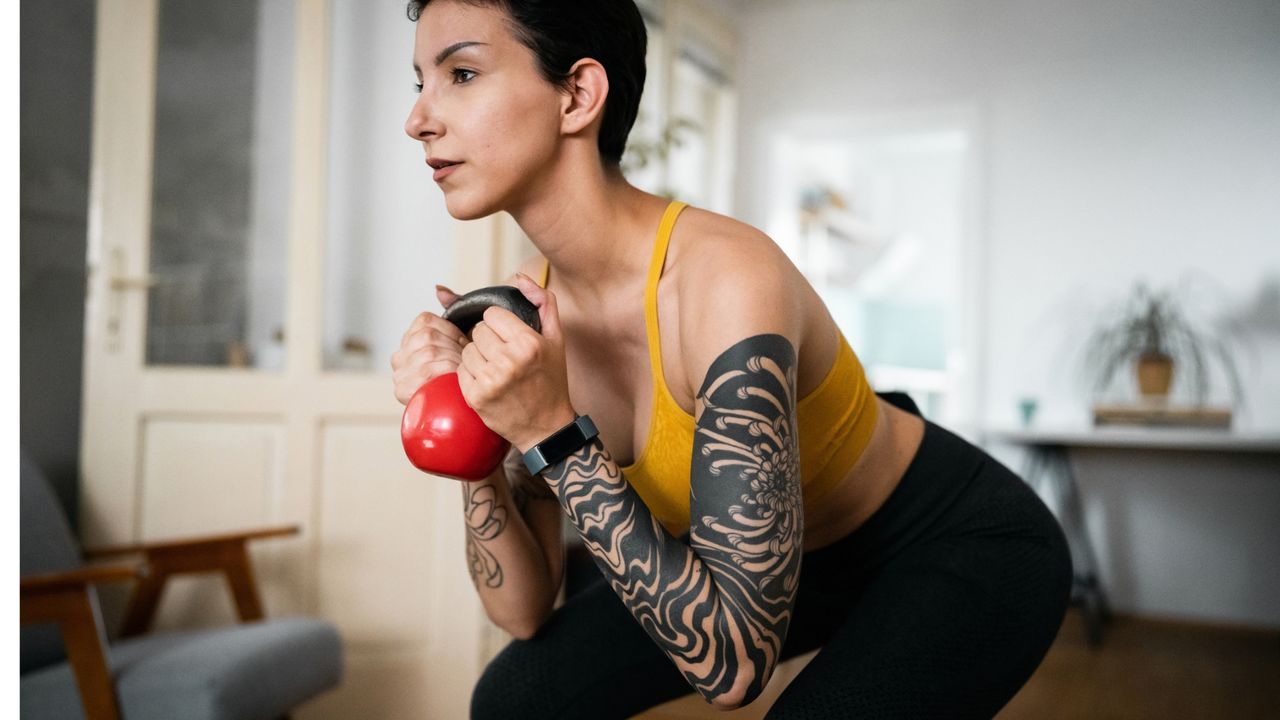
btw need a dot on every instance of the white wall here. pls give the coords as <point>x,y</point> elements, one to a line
<point>1119,140</point>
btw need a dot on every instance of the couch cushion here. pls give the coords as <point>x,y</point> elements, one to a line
<point>253,670</point>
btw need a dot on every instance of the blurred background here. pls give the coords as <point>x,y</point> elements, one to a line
<point>1055,225</point>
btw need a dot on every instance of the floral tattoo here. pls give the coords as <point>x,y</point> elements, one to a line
<point>729,593</point>
<point>486,519</point>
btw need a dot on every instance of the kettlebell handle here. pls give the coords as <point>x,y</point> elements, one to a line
<point>468,310</point>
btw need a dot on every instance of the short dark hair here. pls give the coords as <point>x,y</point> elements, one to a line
<point>562,32</point>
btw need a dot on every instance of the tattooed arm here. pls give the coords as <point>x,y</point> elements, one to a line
<point>514,548</point>
<point>515,551</point>
<point>719,606</point>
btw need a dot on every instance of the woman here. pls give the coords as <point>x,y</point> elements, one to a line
<point>747,497</point>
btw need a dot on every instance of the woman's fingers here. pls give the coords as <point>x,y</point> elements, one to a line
<point>431,340</point>
<point>428,321</point>
<point>432,353</point>
<point>430,347</point>
<point>411,349</point>
<point>407,381</point>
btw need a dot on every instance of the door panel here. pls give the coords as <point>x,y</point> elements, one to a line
<point>205,476</point>
<point>376,545</point>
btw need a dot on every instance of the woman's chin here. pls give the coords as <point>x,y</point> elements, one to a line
<point>461,207</point>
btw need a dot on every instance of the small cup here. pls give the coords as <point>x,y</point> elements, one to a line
<point>1027,406</point>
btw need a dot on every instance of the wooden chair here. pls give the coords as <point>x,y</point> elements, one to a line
<point>258,668</point>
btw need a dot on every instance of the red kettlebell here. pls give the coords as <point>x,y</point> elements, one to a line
<point>441,433</point>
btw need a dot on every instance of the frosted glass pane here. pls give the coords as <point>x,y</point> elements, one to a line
<point>388,233</point>
<point>219,218</point>
<point>874,217</point>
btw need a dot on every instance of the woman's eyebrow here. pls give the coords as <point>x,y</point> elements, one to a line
<point>455,48</point>
<point>449,51</point>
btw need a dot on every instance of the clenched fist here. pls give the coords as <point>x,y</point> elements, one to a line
<point>431,347</point>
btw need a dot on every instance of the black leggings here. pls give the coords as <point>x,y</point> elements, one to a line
<point>942,604</point>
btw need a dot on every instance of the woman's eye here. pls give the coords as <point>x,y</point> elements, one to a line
<point>461,76</point>
<point>417,88</point>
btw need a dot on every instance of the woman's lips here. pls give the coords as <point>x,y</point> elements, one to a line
<point>444,172</point>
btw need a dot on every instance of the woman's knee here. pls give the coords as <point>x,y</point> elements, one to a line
<point>514,684</point>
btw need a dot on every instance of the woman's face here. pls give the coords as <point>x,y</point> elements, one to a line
<point>483,105</point>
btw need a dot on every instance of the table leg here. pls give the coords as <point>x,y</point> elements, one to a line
<point>1049,465</point>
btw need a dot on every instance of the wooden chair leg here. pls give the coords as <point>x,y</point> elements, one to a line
<point>239,575</point>
<point>82,633</point>
<point>142,604</point>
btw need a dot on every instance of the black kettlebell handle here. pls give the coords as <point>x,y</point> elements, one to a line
<point>468,310</point>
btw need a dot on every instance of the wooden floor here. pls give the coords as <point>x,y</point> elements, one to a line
<point>1145,669</point>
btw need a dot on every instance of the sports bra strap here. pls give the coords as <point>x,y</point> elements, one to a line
<point>651,286</point>
<point>651,289</point>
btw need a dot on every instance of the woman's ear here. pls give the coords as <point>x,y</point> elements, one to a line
<point>583,104</point>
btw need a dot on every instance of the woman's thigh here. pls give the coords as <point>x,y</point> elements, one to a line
<point>591,659</point>
<point>952,626</point>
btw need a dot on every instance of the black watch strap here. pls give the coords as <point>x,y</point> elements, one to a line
<point>560,444</point>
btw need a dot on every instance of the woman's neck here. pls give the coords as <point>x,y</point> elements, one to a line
<point>591,226</point>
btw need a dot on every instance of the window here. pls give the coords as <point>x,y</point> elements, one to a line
<point>874,213</point>
<point>682,145</point>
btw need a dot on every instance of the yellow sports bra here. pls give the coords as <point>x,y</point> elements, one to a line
<point>835,420</point>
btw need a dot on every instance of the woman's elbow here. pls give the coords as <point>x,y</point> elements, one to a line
<point>740,695</point>
<point>521,628</point>
<point>725,703</point>
<point>523,632</point>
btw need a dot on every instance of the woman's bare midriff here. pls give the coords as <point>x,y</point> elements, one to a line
<point>869,483</point>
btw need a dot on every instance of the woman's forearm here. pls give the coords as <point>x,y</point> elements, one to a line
<point>661,580</point>
<point>508,567</point>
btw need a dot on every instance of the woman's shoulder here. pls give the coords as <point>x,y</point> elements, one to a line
<point>711,245</point>
<point>733,278</point>
<point>710,227</point>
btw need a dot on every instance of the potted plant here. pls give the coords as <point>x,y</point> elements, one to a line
<point>1151,333</point>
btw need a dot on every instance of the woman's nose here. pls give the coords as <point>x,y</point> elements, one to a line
<point>422,124</point>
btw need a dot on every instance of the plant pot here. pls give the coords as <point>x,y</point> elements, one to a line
<point>1155,374</point>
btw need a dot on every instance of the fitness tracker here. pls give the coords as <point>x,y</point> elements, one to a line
<point>561,444</point>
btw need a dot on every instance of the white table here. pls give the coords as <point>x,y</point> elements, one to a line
<point>1122,436</point>
<point>1048,470</point>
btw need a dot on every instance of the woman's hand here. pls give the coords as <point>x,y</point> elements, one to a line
<point>431,347</point>
<point>515,378</point>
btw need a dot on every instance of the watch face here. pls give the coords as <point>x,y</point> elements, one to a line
<point>563,443</point>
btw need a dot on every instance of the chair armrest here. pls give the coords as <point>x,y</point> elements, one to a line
<point>43,583</point>
<point>224,553</point>
<point>63,598</point>
<point>181,544</point>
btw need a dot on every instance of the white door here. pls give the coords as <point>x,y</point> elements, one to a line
<point>223,386</point>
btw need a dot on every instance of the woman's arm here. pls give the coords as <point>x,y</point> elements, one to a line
<point>720,606</point>
<point>514,548</point>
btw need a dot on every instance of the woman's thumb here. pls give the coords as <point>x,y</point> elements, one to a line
<point>548,310</point>
<point>446,296</point>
